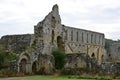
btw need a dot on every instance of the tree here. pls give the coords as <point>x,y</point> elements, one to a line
<point>59,59</point>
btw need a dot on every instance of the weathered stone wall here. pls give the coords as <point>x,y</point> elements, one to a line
<point>16,43</point>
<point>80,63</point>
<point>84,41</point>
<point>47,31</point>
<point>76,61</point>
<point>115,52</point>
<point>112,53</point>
<point>39,53</point>
<point>110,68</point>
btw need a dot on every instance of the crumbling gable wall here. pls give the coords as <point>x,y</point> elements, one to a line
<point>48,31</point>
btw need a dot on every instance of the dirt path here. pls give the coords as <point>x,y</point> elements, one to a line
<point>22,78</point>
<point>17,78</point>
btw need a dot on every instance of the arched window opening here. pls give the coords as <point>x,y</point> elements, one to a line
<point>52,36</point>
<point>82,37</point>
<point>87,38</point>
<point>92,38</point>
<point>66,32</point>
<point>71,35</point>
<point>77,36</point>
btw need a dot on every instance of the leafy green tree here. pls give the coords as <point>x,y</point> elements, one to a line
<point>59,59</point>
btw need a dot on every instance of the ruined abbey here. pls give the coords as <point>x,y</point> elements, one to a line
<point>35,50</point>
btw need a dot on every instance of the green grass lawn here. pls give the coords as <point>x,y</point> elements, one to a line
<point>62,78</point>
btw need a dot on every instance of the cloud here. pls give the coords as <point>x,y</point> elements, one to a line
<point>15,28</point>
<point>19,16</point>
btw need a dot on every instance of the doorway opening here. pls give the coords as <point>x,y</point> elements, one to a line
<point>34,67</point>
<point>23,65</point>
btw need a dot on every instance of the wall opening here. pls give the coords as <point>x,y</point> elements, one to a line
<point>53,22</point>
<point>60,44</point>
<point>92,38</point>
<point>71,35</point>
<point>87,38</point>
<point>77,36</point>
<point>34,67</point>
<point>82,37</point>
<point>52,36</point>
<point>93,55</point>
<point>23,65</point>
<point>66,35</point>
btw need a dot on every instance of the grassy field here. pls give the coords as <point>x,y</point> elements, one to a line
<point>62,78</point>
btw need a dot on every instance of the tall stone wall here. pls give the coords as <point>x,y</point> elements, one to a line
<point>84,41</point>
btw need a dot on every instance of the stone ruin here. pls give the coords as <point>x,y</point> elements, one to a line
<point>84,49</point>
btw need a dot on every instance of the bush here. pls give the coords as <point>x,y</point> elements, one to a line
<point>12,56</point>
<point>6,58</point>
<point>33,43</point>
<point>59,59</point>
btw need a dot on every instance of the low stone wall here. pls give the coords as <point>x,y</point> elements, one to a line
<point>80,63</point>
<point>110,68</point>
<point>16,43</point>
<point>90,66</point>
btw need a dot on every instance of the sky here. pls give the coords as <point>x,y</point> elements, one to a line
<point>20,16</point>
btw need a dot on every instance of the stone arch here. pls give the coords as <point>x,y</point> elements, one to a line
<point>24,55</point>
<point>23,63</point>
<point>34,67</point>
<point>60,43</point>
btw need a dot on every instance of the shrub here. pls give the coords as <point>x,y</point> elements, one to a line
<point>33,43</point>
<point>59,59</point>
<point>6,58</point>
